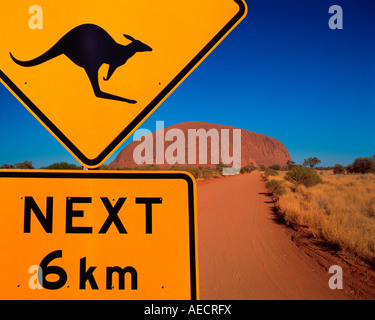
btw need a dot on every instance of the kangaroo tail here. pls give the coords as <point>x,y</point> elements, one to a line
<point>50,54</point>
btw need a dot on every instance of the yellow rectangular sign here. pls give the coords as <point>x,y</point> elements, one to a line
<point>97,235</point>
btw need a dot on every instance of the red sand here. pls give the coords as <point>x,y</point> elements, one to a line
<point>244,253</point>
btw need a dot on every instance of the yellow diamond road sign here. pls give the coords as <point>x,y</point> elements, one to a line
<point>92,72</point>
<point>97,235</point>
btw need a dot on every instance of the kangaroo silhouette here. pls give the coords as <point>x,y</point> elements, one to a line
<point>89,46</point>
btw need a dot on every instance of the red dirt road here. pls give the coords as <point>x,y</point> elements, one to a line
<point>245,254</point>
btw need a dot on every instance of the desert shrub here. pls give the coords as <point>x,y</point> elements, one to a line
<point>275,167</point>
<point>22,165</point>
<point>270,172</point>
<point>206,173</point>
<point>192,170</point>
<point>303,175</point>
<point>290,164</point>
<point>273,184</point>
<point>63,166</point>
<point>7,166</point>
<point>279,191</point>
<point>338,169</point>
<point>349,168</point>
<point>247,169</point>
<point>362,165</point>
<point>276,187</point>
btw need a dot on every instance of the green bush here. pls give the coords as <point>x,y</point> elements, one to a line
<point>339,169</point>
<point>362,165</point>
<point>270,172</point>
<point>273,184</point>
<point>23,165</point>
<point>249,168</point>
<point>276,187</point>
<point>280,191</point>
<point>349,168</point>
<point>290,164</point>
<point>62,166</point>
<point>275,167</point>
<point>303,175</point>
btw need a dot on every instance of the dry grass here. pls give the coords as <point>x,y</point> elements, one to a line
<point>341,210</point>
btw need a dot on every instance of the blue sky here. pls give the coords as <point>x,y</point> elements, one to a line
<point>282,72</point>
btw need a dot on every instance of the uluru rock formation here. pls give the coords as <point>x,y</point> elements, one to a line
<point>256,148</point>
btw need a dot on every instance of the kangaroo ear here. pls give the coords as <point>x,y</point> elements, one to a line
<point>129,37</point>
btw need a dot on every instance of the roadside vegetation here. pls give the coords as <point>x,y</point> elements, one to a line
<point>62,166</point>
<point>22,165</point>
<point>337,205</point>
<point>199,173</point>
<point>196,172</point>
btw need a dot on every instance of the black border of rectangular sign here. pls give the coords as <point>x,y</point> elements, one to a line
<point>145,112</point>
<point>128,175</point>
